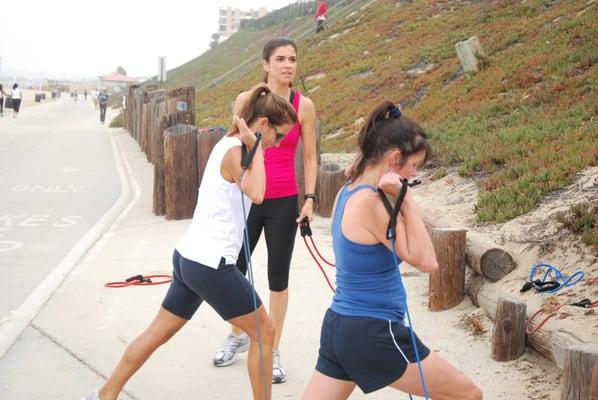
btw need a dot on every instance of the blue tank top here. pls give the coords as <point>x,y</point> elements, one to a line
<point>367,282</point>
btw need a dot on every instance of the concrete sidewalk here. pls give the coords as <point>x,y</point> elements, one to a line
<point>79,335</point>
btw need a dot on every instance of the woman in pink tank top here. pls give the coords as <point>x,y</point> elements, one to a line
<point>279,215</point>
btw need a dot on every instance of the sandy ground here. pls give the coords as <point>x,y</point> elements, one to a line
<point>530,238</point>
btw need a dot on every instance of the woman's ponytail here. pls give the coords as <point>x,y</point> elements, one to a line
<point>387,128</point>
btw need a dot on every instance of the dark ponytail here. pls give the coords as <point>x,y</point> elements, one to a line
<point>262,102</point>
<point>386,129</point>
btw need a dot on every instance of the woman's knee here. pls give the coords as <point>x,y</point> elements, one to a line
<point>159,335</point>
<point>475,393</point>
<point>268,331</point>
<point>467,391</point>
<point>278,282</point>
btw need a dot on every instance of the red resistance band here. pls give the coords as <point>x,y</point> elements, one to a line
<point>140,280</point>
<point>306,231</point>
<point>585,303</point>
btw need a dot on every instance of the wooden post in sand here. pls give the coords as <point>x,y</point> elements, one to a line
<point>580,373</point>
<point>447,285</point>
<point>331,177</point>
<point>180,171</point>
<point>508,339</point>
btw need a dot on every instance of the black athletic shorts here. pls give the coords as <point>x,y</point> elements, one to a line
<point>225,289</point>
<point>371,352</point>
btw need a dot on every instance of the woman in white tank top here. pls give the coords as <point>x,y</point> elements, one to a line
<point>204,259</point>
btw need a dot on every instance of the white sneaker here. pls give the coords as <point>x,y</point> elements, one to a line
<point>232,345</point>
<point>92,396</point>
<point>278,374</point>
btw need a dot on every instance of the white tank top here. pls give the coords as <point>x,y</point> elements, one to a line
<point>216,230</point>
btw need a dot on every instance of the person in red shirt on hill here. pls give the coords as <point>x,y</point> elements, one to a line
<point>321,15</point>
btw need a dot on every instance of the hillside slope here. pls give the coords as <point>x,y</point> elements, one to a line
<point>523,127</point>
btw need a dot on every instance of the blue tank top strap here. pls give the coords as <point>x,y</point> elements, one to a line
<point>360,187</point>
<point>344,196</point>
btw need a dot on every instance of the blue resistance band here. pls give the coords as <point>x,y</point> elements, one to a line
<point>413,342</point>
<point>560,278</point>
<point>245,163</point>
<point>252,282</point>
<point>391,235</point>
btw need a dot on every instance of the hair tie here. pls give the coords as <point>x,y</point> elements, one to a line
<point>395,112</point>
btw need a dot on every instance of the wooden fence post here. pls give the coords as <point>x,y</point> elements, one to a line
<point>180,171</point>
<point>206,140</point>
<point>508,339</point>
<point>156,105</point>
<point>580,373</point>
<point>447,285</point>
<point>159,200</point>
<point>331,177</point>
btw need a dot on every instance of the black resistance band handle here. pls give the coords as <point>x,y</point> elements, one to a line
<point>304,227</point>
<point>247,157</point>
<point>394,212</point>
<point>392,223</point>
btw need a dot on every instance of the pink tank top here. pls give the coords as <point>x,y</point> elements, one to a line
<point>280,162</point>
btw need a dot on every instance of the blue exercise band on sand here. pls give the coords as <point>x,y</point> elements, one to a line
<point>561,279</point>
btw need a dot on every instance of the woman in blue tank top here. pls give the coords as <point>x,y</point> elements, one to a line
<point>363,340</point>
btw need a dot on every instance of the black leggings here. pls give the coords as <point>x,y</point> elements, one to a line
<point>277,218</point>
<point>103,111</point>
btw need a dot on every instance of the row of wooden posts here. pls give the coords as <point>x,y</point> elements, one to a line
<point>179,151</point>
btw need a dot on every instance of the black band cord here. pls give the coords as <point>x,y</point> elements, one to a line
<point>394,212</point>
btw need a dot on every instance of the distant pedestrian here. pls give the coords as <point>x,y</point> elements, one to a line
<point>94,97</point>
<point>1,101</point>
<point>53,95</point>
<point>85,94</point>
<point>103,100</point>
<point>17,96</point>
<point>321,15</point>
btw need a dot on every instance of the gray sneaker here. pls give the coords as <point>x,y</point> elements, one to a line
<point>232,345</point>
<point>278,374</point>
<point>92,396</point>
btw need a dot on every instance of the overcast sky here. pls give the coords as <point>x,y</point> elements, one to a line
<point>90,38</point>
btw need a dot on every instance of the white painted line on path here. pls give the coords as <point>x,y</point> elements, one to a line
<point>12,329</point>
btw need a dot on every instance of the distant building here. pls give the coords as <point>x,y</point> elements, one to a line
<point>230,19</point>
<point>115,81</point>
